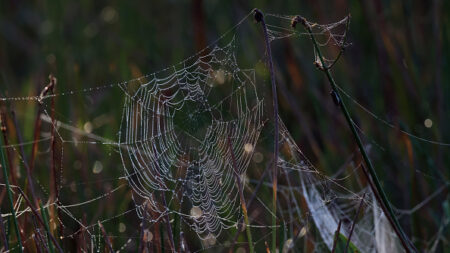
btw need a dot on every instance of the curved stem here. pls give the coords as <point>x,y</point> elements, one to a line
<point>260,18</point>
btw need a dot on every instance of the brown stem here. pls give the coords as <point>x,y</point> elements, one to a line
<point>354,222</point>
<point>38,217</point>
<point>336,236</point>
<point>106,238</point>
<point>249,203</point>
<point>4,129</point>
<point>241,196</point>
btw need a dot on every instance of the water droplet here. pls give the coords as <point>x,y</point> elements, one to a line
<point>77,164</point>
<point>148,236</point>
<point>258,157</point>
<point>109,14</point>
<point>302,232</point>
<point>88,127</point>
<point>46,27</point>
<point>51,59</point>
<point>288,245</point>
<point>196,212</point>
<point>122,227</point>
<point>210,240</point>
<point>73,186</point>
<point>98,167</point>
<point>248,147</point>
<point>220,76</point>
<point>428,123</point>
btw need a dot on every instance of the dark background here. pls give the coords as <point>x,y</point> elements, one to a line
<point>397,66</point>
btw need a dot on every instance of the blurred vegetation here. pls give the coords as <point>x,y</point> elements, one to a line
<point>397,66</point>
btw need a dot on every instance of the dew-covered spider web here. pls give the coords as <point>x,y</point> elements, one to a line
<point>161,168</point>
<point>175,136</point>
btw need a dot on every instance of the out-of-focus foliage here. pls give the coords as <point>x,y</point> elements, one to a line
<point>397,66</point>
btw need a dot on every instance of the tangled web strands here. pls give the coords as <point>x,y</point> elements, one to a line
<point>329,202</point>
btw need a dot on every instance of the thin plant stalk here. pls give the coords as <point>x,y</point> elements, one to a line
<point>8,155</point>
<point>241,196</point>
<point>9,191</point>
<point>336,236</point>
<point>3,233</point>
<point>47,227</point>
<point>161,237</point>
<point>38,218</point>
<point>106,238</point>
<point>142,243</point>
<point>250,201</point>
<point>259,17</point>
<point>183,244</point>
<point>83,244</point>
<point>24,159</point>
<point>354,223</point>
<point>407,245</point>
<point>169,227</point>
<point>158,236</point>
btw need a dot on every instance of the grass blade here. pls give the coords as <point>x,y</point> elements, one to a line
<point>47,227</point>
<point>106,238</point>
<point>336,236</point>
<point>8,189</point>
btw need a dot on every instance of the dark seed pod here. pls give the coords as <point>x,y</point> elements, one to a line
<point>258,15</point>
<point>336,98</point>
<point>294,22</point>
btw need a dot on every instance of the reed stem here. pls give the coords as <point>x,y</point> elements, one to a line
<point>8,189</point>
<point>259,17</point>
<point>242,199</point>
<point>38,218</point>
<point>45,219</point>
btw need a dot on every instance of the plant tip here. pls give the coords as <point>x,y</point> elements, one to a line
<point>258,15</point>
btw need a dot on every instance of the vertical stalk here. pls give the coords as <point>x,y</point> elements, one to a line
<point>241,196</point>
<point>44,215</point>
<point>252,198</point>
<point>24,159</point>
<point>3,234</point>
<point>8,189</point>
<point>183,244</point>
<point>259,17</point>
<point>161,237</point>
<point>38,218</point>
<point>336,236</point>
<point>407,245</point>
<point>354,223</point>
<point>106,238</point>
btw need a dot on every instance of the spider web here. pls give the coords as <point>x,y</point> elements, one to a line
<point>175,138</point>
<point>181,130</point>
